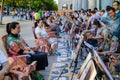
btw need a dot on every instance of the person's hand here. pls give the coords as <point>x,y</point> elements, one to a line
<point>32,52</point>
<point>98,48</point>
<point>27,48</point>
<point>26,52</point>
<point>84,32</point>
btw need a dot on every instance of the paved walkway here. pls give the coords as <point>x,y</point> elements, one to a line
<point>26,32</point>
<point>63,51</point>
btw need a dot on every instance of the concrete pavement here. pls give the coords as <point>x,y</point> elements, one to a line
<point>26,32</point>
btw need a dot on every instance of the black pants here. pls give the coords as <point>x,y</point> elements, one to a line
<point>42,60</point>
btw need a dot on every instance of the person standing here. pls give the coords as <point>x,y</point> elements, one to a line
<point>116,5</point>
<point>36,16</point>
<point>40,13</point>
<point>13,14</point>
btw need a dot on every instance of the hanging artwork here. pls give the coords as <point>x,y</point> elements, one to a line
<point>59,71</point>
<point>60,65</point>
<point>84,64</point>
<point>60,78</point>
<point>89,72</point>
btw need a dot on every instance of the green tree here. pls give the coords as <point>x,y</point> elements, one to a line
<point>16,3</point>
<point>43,4</point>
<point>34,4</point>
<point>50,5</point>
<point>55,7</point>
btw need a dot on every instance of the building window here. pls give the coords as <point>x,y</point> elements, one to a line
<point>70,6</point>
<point>64,7</point>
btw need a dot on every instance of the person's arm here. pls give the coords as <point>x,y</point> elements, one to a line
<point>38,36</point>
<point>37,33</point>
<point>104,22</point>
<point>105,34</point>
<point>15,49</point>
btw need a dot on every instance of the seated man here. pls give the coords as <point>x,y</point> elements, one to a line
<point>17,46</point>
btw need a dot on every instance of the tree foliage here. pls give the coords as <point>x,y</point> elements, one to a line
<point>44,4</point>
<point>34,4</point>
<point>16,3</point>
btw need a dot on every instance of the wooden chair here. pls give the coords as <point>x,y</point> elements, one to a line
<point>19,62</point>
<point>33,30</point>
<point>4,39</point>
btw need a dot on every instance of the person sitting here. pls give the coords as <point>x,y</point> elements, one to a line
<point>100,34</point>
<point>17,46</point>
<point>52,26</point>
<point>49,22</point>
<point>88,36</point>
<point>82,25</point>
<point>41,33</point>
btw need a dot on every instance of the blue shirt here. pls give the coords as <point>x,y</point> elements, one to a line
<point>114,25</point>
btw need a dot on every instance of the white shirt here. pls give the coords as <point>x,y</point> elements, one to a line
<point>48,22</point>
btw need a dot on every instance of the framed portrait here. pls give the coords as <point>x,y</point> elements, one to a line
<point>58,71</point>
<point>60,65</point>
<point>60,78</point>
<point>84,64</point>
<point>76,70</point>
<point>89,72</point>
<point>62,59</point>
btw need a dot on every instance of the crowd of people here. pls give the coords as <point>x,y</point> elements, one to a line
<point>100,28</point>
<point>28,14</point>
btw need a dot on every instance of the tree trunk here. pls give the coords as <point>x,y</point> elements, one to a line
<point>1,11</point>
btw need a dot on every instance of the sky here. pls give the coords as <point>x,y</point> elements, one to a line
<point>56,1</point>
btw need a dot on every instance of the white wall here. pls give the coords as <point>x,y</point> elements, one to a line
<point>91,4</point>
<point>104,3</point>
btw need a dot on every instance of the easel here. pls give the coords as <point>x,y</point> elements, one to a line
<point>98,61</point>
<point>77,52</point>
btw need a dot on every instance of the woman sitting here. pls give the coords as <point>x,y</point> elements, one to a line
<point>42,34</point>
<point>17,46</point>
<point>100,36</point>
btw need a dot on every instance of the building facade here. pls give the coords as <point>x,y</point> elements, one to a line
<point>85,4</point>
